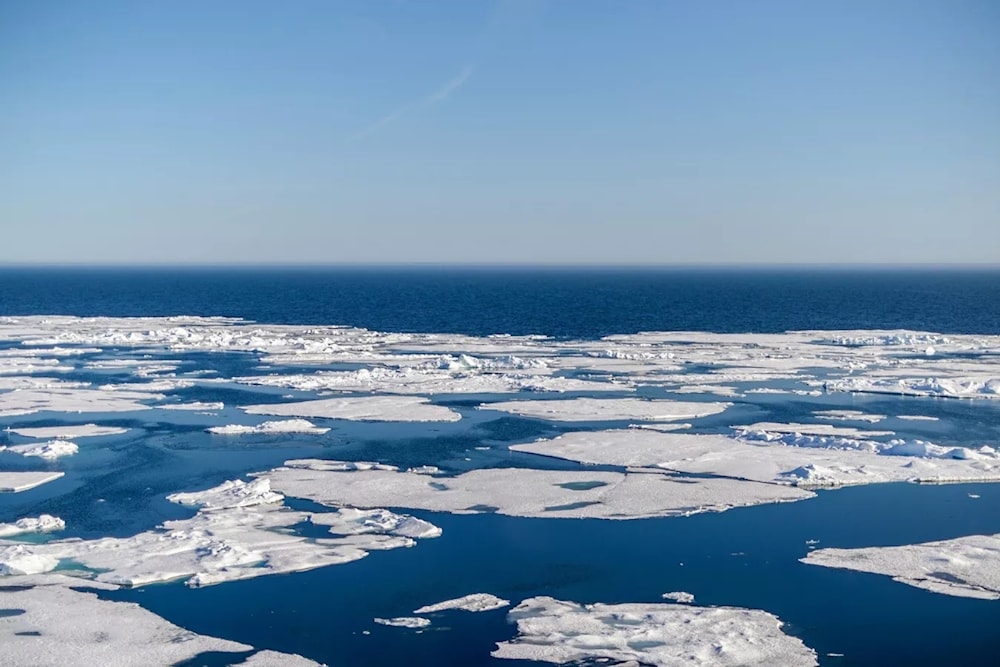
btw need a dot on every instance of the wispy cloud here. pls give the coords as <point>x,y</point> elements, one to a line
<point>439,95</point>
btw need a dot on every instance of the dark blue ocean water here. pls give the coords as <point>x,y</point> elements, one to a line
<point>745,557</point>
<point>571,302</point>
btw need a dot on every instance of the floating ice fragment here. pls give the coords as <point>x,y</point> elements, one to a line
<point>679,596</point>
<point>551,630</point>
<point>268,428</point>
<point>67,431</point>
<point>965,567</point>
<point>472,602</point>
<point>403,622</point>
<point>350,521</point>
<point>196,406</point>
<point>50,450</point>
<point>20,559</point>
<point>15,482</point>
<point>44,523</point>
<point>606,409</point>
<point>362,408</point>
<point>233,493</point>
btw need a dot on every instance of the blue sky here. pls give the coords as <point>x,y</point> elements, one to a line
<point>572,131</point>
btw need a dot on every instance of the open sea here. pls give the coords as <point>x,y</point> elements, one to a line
<point>745,557</point>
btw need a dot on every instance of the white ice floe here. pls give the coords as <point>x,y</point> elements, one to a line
<point>403,622</point>
<point>606,409</point>
<point>230,494</point>
<point>69,431</point>
<point>917,418</point>
<point>47,450</point>
<point>523,492</point>
<point>197,406</point>
<point>44,523</point>
<point>15,482</point>
<point>274,659</point>
<point>849,415</point>
<point>555,631</point>
<point>947,387</point>
<point>63,626</point>
<point>966,566</point>
<point>362,408</point>
<point>679,596</point>
<point>351,521</point>
<point>270,428</point>
<point>812,429</point>
<point>71,399</point>
<point>472,602</point>
<point>240,532</point>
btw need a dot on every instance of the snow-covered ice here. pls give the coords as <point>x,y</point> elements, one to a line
<point>555,631</point>
<point>72,399</point>
<point>472,602</point>
<point>44,523</point>
<point>606,409</point>
<point>15,482</point>
<point>403,622</point>
<point>68,431</point>
<point>352,521</point>
<point>361,408</point>
<point>230,494</point>
<point>47,450</point>
<point>270,428</point>
<point>679,596</point>
<point>965,566</point>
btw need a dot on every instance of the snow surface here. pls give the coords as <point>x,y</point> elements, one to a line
<point>523,491</point>
<point>472,602</point>
<point>679,596</point>
<point>946,387</point>
<point>362,408</point>
<point>607,409</point>
<point>67,431</point>
<point>15,482</point>
<point>44,523</point>
<point>71,399</point>
<point>351,521</point>
<point>555,631</point>
<point>270,428</point>
<point>403,622</point>
<point>64,626</point>
<point>965,567</point>
<point>48,450</point>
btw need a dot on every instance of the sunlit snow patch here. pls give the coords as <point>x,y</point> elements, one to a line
<point>555,631</point>
<point>965,567</point>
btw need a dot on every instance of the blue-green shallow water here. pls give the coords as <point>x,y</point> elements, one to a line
<point>743,557</point>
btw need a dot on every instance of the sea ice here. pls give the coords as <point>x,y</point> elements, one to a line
<point>849,415</point>
<point>15,482</point>
<point>68,431</point>
<point>947,387</point>
<point>555,631</point>
<point>61,625</point>
<point>45,523</point>
<point>679,596</point>
<point>351,521</point>
<point>598,409</point>
<point>362,408</point>
<point>230,494</point>
<point>197,406</point>
<point>966,566</point>
<point>48,450</point>
<point>270,428</point>
<point>403,622</point>
<point>71,399</point>
<point>812,429</point>
<point>472,602</point>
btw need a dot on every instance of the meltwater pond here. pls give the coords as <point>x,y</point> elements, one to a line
<point>747,557</point>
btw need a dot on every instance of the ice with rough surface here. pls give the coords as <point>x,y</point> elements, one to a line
<point>233,493</point>
<point>403,622</point>
<point>472,602</point>
<point>607,409</point>
<point>351,521</point>
<point>270,428</point>
<point>49,450</point>
<point>44,523</point>
<point>679,596</point>
<point>965,566</point>
<point>555,631</point>
<point>362,408</point>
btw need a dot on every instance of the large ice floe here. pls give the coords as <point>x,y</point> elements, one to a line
<point>523,491</point>
<point>69,431</point>
<point>15,482</point>
<point>965,567</point>
<point>562,632</point>
<point>241,531</point>
<point>56,623</point>
<point>270,428</point>
<point>594,409</point>
<point>362,408</point>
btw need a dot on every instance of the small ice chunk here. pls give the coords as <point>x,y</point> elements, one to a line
<point>50,450</point>
<point>45,523</point>
<point>472,602</point>
<point>679,596</point>
<point>233,493</point>
<point>197,406</point>
<point>561,632</point>
<point>271,427</point>
<point>403,622</point>
<point>66,432</point>
<point>350,521</point>
<point>15,482</point>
